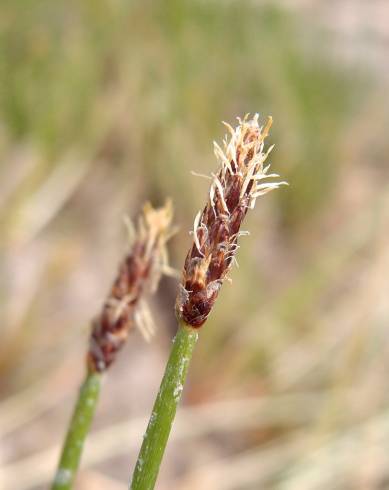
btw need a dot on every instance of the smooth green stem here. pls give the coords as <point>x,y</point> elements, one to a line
<point>77,432</point>
<point>164,410</point>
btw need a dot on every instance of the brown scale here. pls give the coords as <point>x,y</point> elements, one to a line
<point>217,234</point>
<point>110,330</point>
<point>218,245</point>
<point>139,273</point>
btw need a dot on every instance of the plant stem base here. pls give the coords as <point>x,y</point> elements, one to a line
<point>78,430</point>
<point>164,410</point>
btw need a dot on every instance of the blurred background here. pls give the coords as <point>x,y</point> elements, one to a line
<point>107,103</point>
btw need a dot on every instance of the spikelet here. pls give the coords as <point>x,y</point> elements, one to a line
<point>138,275</point>
<point>241,179</point>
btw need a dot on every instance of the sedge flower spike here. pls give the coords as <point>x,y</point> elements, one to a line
<point>138,275</point>
<point>240,180</point>
<point>125,307</point>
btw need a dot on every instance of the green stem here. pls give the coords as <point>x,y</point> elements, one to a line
<point>164,410</point>
<point>77,432</point>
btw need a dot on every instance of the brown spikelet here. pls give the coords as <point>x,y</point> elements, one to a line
<point>234,189</point>
<point>138,274</point>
